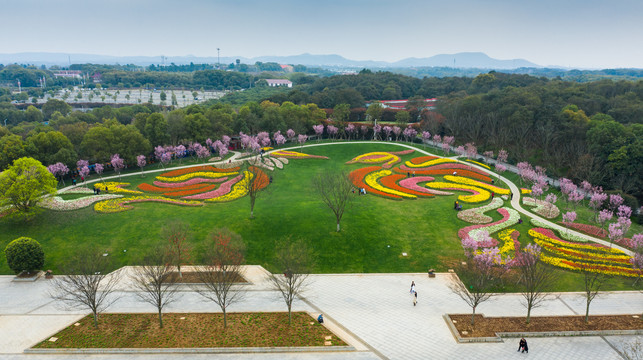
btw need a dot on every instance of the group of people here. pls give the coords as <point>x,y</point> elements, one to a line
<point>362,191</point>
<point>97,190</point>
<point>457,206</point>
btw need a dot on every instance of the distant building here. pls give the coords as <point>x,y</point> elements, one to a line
<point>401,104</point>
<point>279,82</point>
<point>68,74</point>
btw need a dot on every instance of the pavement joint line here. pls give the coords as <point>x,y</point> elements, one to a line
<point>338,324</point>
<point>613,347</point>
<point>567,305</point>
<point>39,307</point>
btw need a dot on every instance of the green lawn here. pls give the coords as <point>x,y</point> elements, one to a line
<point>375,231</point>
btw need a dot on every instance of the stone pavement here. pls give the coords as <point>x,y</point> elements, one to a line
<point>373,312</point>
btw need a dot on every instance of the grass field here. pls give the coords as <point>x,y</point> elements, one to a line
<point>375,231</point>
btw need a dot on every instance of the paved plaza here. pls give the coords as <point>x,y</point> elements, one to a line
<point>374,313</point>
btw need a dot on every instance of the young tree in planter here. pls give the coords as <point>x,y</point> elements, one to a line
<point>154,281</point>
<point>140,161</point>
<point>294,261</point>
<point>593,282</point>
<point>87,285</point>
<point>23,184</point>
<point>223,257</point>
<point>24,254</point>
<point>535,277</point>
<point>335,190</point>
<point>177,234</point>
<point>477,276</point>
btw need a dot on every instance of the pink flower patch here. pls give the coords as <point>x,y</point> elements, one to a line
<point>412,184</point>
<point>462,233</point>
<point>225,188</point>
<point>190,182</point>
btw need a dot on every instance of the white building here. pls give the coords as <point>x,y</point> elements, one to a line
<point>279,82</point>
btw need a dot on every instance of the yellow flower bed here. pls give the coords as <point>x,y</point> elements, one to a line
<point>479,163</point>
<point>468,181</point>
<point>575,265</point>
<point>376,157</point>
<point>115,187</point>
<point>371,180</point>
<point>482,195</point>
<point>120,204</point>
<point>239,190</point>
<point>538,236</point>
<point>507,242</point>
<point>525,191</point>
<point>203,174</point>
<point>430,163</point>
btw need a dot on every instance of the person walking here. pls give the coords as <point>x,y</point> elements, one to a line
<point>523,345</point>
<point>412,287</point>
<point>415,298</point>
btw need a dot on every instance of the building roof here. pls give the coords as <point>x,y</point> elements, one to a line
<point>278,81</point>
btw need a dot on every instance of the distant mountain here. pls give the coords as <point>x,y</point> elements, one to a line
<point>459,60</point>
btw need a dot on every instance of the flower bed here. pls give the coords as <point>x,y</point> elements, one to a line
<point>115,187</point>
<point>151,188</point>
<point>452,166</point>
<point>510,243</point>
<point>225,188</point>
<point>449,171</point>
<point>371,180</point>
<point>477,194</point>
<point>525,191</point>
<point>548,235</point>
<point>412,184</point>
<point>542,208</point>
<point>429,162</point>
<point>296,155</point>
<point>387,157</point>
<point>579,265</point>
<point>57,203</point>
<point>565,234</point>
<point>422,159</point>
<point>357,178</point>
<point>587,229</point>
<point>467,181</point>
<point>509,217</point>
<point>185,177</point>
<point>479,164</point>
<point>391,181</point>
<point>240,188</point>
<point>182,193</point>
<point>477,216</point>
<point>188,182</point>
<point>201,168</point>
<point>120,204</point>
<point>278,162</point>
<point>77,190</point>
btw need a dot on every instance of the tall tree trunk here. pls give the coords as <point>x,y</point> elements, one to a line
<point>160,318</point>
<point>337,226</point>
<point>473,316</point>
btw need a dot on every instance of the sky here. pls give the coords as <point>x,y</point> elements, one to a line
<point>569,33</point>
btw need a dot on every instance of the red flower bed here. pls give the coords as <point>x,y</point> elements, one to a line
<point>207,187</point>
<point>151,188</point>
<point>421,159</point>
<point>465,173</point>
<point>205,168</point>
<point>587,229</point>
<point>462,233</point>
<point>357,177</point>
<point>390,182</point>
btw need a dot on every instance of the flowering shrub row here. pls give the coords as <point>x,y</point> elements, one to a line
<point>477,194</point>
<point>477,216</point>
<point>467,181</point>
<point>542,208</point>
<point>391,181</point>
<point>509,218</point>
<point>412,184</point>
<point>479,163</point>
<point>296,155</point>
<point>120,204</point>
<point>193,169</point>
<point>371,180</point>
<point>57,203</point>
<point>188,182</point>
<point>115,187</point>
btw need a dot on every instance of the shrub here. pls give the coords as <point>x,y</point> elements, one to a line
<point>24,254</point>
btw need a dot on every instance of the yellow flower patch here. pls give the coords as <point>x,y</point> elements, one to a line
<point>203,174</point>
<point>376,157</point>
<point>430,163</point>
<point>120,204</point>
<point>467,181</point>
<point>482,195</point>
<point>371,180</point>
<point>479,163</point>
<point>239,190</point>
<point>115,187</point>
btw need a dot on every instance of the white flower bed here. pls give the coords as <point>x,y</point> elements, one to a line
<point>477,216</point>
<point>277,162</point>
<point>542,208</point>
<point>284,160</point>
<point>514,216</point>
<point>57,203</point>
<point>77,190</point>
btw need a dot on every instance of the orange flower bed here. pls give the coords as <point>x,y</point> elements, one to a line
<point>206,168</point>
<point>205,188</point>
<point>357,177</point>
<point>391,183</point>
<point>465,173</point>
<point>151,188</point>
<point>421,159</point>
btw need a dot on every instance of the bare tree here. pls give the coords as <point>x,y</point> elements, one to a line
<point>293,260</point>
<point>155,281</point>
<point>254,181</point>
<point>87,285</point>
<point>475,281</point>
<point>222,270</point>
<point>535,277</point>
<point>177,235</point>
<point>335,190</point>
<point>594,282</point>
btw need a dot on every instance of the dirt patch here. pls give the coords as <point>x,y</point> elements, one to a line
<point>489,326</point>
<point>192,277</point>
<point>194,330</point>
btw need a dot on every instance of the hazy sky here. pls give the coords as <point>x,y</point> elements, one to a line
<point>577,33</point>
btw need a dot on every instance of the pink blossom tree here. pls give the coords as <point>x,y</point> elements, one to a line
<point>604,216</point>
<point>166,157</point>
<point>202,152</point>
<point>225,139</point>
<point>350,130</point>
<point>222,149</point>
<point>290,134</point>
<point>426,136</point>
<point>263,138</point>
<point>410,133</point>
<point>437,140</point>
<point>596,201</point>
<point>98,168</point>
<point>536,190</point>
<point>319,130</point>
<point>302,140</point>
<point>83,169</point>
<point>503,155</point>
<point>58,170</point>
<point>500,168</point>
<point>158,154</point>
<point>569,217</point>
<point>245,141</point>
<point>377,129</point>
<point>471,150</point>
<point>279,139</point>
<point>387,130</point>
<point>397,131</point>
<point>575,197</point>
<point>363,130</point>
<point>637,259</point>
<point>180,152</point>
<point>488,154</point>
<point>140,161</point>
<point>332,131</point>
<point>118,164</point>
<point>446,148</point>
<point>460,151</point>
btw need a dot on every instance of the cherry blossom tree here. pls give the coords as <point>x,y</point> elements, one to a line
<point>58,170</point>
<point>302,140</point>
<point>488,154</point>
<point>569,217</point>
<point>437,139</point>
<point>290,134</point>
<point>98,168</point>
<point>363,130</point>
<point>596,202</point>
<point>387,130</point>
<point>83,169</point>
<point>460,151</point>
<point>502,156</point>
<point>140,161</point>
<point>410,133</point>
<point>397,131</point>
<point>637,259</point>
<point>158,154</point>
<point>471,150</point>
<point>319,130</point>
<point>376,131</point>
<point>118,164</point>
<point>426,136</point>
<point>278,138</point>
<point>604,216</point>
<point>180,152</point>
<point>332,131</point>
<point>500,168</point>
<point>446,148</point>
<point>615,201</point>
<point>202,152</point>
<point>263,138</point>
<point>222,149</point>
<point>225,139</point>
<point>245,141</point>
<point>350,130</point>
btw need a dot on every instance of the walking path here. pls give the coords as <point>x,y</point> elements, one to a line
<point>372,312</point>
